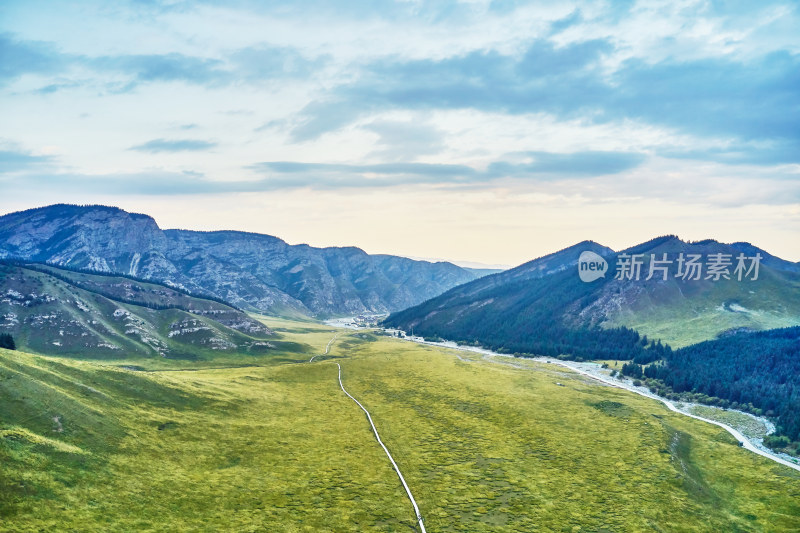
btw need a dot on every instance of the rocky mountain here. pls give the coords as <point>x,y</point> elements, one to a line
<point>253,271</point>
<point>50,310</point>
<point>544,303</point>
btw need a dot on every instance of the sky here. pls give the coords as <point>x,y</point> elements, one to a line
<point>490,132</point>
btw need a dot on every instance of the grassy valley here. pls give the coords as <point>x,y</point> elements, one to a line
<point>276,445</point>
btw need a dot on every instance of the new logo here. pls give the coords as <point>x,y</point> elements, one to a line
<point>591,266</point>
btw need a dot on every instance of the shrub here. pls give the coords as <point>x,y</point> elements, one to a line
<point>7,341</point>
<point>776,442</point>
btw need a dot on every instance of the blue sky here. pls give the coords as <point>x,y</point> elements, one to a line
<point>478,130</point>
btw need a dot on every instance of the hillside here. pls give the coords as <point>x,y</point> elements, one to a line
<point>253,271</point>
<point>51,310</point>
<point>683,312</point>
<point>537,307</point>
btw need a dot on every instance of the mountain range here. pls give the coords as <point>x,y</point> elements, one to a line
<point>517,309</point>
<point>541,306</point>
<point>252,271</point>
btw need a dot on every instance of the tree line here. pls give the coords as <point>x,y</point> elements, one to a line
<point>754,371</point>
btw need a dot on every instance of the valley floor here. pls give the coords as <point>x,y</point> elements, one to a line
<point>745,427</point>
<point>278,446</point>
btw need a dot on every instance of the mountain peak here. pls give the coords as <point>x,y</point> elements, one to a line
<point>63,209</point>
<point>566,256</point>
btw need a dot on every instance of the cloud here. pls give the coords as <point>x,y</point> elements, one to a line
<point>26,57</point>
<point>264,62</point>
<point>58,86</point>
<point>281,175</point>
<point>163,68</point>
<point>173,183</point>
<point>750,153</point>
<point>329,11</point>
<point>722,97</point>
<point>401,140</point>
<point>570,20</point>
<point>174,145</point>
<point>527,165</point>
<point>519,92</point>
<point>318,118</point>
<point>252,64</point>
<point>488,81</point>
<point>137,183</point>
<point>380,173</point>
<point>751,100</point>
<point>12,160</point>
<point>589,163</point>
<point>18,57</point>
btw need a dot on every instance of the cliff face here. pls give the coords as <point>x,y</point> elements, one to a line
<point>254,271</point>
<point>102,238</point>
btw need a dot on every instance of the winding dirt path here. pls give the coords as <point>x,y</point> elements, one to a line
<point>389,455</point>
<point>327,349</point>
<point>377,436</point>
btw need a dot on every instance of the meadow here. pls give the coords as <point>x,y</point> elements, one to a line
<point>271,443</point>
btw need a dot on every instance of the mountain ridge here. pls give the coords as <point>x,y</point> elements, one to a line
<point>55,311</point>
<point>254,271</point>
<point>679,312</point>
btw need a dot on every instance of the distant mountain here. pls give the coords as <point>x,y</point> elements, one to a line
<point>481,272</point>
<point>50,310</point>
<point>253,271</point>
<point>544,307</point>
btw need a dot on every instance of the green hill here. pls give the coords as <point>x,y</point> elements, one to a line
<point>559,315</point>
<point>683,312</point>
<point>55,311</point>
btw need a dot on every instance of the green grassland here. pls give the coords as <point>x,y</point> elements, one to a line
<point>238,449</point>
<point>689,326</point>
<point>300,331</point>
<point>492,445</point>
<point>687,315</point>
<point>276,446</point>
